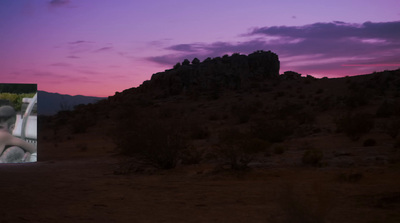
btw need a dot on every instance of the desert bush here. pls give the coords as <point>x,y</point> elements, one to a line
<point>288,110</point>
<point>354,126</point>
<point>279,94</point>
<point>279,149</point>
<point>242,116</point>
<point>81,122</point>
<point>388,109</point>
<point>214,117</point>
<point>158,143</point>
<point>272,130</point>
<point>305,117</point>
<point>62,118</point>
<point>357,98</point>
<point>198,131</point>
<point>319,91</point>
<point>352,177</point>
<point>244,111</point>
<point>395,153</point>
<point>396,145</point>
<point>392,128</point>
<point>238,149</point>
<point>191,155</point>
<point>326,103</point>
<point>297,112</point>
<point>82,146</point>
<point>312,157</point>
<point>369,142</point>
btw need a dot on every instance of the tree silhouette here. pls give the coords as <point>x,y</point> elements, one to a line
<point>177,65</point>
<point>186,62</point>
<point>195,61</point>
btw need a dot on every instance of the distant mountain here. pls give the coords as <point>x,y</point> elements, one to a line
<point>51,103</point>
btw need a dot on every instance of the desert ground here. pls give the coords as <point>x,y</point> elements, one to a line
<point>75,183</point>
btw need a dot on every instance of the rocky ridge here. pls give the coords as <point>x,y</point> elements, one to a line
<point>231,72</point>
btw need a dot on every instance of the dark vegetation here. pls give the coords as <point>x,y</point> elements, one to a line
<point>232,110</point>
<point>18,88</point>
<point>12,94</point>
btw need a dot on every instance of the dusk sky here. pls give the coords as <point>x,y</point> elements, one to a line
<point>98,47</point>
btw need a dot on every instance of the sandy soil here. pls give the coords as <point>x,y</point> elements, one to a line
<point>83,187</point>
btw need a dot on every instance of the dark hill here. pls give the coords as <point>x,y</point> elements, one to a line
<point>301,148</point>
<point>228,109</point>
<point>51,103</point>
<point>230,72</point>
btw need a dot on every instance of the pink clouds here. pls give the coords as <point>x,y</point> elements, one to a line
<point>372,65</point>
<point>310,48</point>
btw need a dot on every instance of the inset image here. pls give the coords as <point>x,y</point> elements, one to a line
<point>18,123</point>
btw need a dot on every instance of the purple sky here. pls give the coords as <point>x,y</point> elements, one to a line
<point>98,47</point>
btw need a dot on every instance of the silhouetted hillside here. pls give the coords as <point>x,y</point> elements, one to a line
<point>237,107</point>
<point>51,103</point>
<point>303,148</point>
<point>229,72</point>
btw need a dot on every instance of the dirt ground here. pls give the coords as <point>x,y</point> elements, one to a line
<point>82,186</point>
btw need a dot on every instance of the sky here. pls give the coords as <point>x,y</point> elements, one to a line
<point>99,47</point>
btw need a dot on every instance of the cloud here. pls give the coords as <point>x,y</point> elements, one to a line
<point>80,46</point>
<point>79,42</point>
<point>107,48</point>
<point>89,72</point>
<point>334,45</point>
<point>186,47</point>
<point>204,50</point>
<point>57,3</point>
<point>165,59</point>
<point>60,64</point>
<point>50,77</point>
<point>335,30</point>
<point>73,57</point>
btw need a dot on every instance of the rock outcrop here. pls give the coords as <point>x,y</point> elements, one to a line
<point>231,72</point>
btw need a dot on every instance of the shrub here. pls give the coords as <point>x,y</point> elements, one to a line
<point>369,142</point>
<point>198,131</point>
<point>356,98</point>
<point>279,150</point>
<point>392,128</point>
<point>191,155</point>
<point>312,157</point>
<point>350,177</point>
<point>177,65</point>
<point>81,122</point>
<point>396,145</point>
<point>158,143</point>
<point>244,111</point>
<point>186,62</point>
<point>238,148</point>
<point>272,130</point>
<point>15,99</point>
<point>195,61</point>
<point>388,109</point>
<point>354,126</point>
<point>82,146</point>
